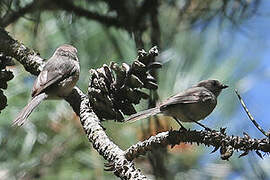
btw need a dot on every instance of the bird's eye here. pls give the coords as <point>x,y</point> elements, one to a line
<point>215,83</point>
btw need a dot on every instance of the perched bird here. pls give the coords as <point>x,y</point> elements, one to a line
<point>56,80</point>
<point>190,105</point>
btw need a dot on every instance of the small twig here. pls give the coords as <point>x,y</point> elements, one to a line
<point>82,12</point>
<point>249,114</point>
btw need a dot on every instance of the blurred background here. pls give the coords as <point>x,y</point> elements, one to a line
<point>220,39</point>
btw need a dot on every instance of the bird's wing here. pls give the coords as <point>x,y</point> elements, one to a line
<point>192,95</point>
<point>54,71</point>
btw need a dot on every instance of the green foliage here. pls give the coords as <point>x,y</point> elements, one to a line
<point>52,145</point>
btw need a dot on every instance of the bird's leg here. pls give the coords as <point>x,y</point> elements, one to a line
<point>181,126</point>
<point>206,128</point>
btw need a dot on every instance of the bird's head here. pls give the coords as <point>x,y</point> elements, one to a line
<point>212,85</point>
<point>67,50</point>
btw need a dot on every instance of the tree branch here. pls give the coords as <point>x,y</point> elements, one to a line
<point>105,20</point>
<point>217,139</point>
<point>106,148</point>
<point>119,160</point>
<point>80,103</point>
<point>30,59</point>
<point>12,17</point>
<point>250,115</point>
<point>59,5</point>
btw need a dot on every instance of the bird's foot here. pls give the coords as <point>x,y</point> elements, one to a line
<point>206,128</point>
<point>182,128</point>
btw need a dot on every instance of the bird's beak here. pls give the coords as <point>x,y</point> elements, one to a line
<point>223,86</point>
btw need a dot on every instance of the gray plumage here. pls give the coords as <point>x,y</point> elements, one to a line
<point>191,105</point>
<point>28,109</point>
<point>56,80</point>
<point>143,114</point>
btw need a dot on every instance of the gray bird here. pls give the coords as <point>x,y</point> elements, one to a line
<point>55,81</point>
<point>190,105</point>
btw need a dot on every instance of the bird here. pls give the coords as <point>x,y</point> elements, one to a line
<point>56,80</point>
<point>190,105</point>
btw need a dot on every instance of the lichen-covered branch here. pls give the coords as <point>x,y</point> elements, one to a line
<point>95,133</point>
<point>217,139</point>
<point>80,103</point>
<point>30,59</point>
<point>129,78</point>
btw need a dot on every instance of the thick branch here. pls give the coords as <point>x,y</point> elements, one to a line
<point>31,60</point>
<point>217,139</point>
<point>101,142</point>
<point>80,103</point>
<point>38,5</point>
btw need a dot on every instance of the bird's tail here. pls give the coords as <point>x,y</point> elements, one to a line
<point>27,110</point>
<point>143,114</point>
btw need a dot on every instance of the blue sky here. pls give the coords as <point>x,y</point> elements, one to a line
<point>251,40</point>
